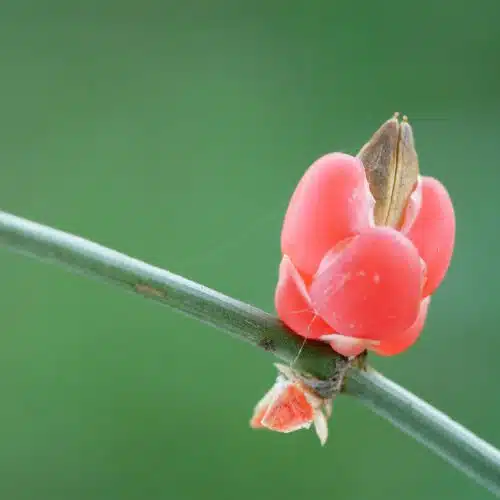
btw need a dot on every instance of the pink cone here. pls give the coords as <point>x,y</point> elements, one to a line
<point>341,277</point>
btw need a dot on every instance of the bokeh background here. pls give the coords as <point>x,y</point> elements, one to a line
<point>175,131</point>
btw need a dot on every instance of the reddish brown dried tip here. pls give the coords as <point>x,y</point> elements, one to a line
<point>391,165</point>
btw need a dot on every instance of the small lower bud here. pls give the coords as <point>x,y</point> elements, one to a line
<point>290,406</point>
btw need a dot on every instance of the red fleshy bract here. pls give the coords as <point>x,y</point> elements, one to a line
<point>331,202</point>
<point>371,288</point>
<point>433,232</point>
<point>294,306</point>
<point>399,343</point>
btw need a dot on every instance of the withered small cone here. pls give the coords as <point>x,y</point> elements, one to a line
<point>391,164</point>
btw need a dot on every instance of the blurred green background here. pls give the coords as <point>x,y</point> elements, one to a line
<point>175,132</point>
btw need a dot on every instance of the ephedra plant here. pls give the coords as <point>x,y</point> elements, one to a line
<point>366,242</point>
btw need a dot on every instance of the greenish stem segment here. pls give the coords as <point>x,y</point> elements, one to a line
<point>432,428</point>
<point>472,455</point>
<point>237,318</point>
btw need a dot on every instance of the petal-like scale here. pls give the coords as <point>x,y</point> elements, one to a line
<point>290,411</point>
<point>371,288</point>
<point>262,406</point>
<point>433,232</point>
<point>256,421</point>
<point>331,202</point>
<point>403,341</point>
<point>293,304</point>
<point>321,426</point>
<point>347,346</point>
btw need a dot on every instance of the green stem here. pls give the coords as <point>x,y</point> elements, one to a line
<point>439,433</point>
<point>237,318</point>
<point>467,452</point>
